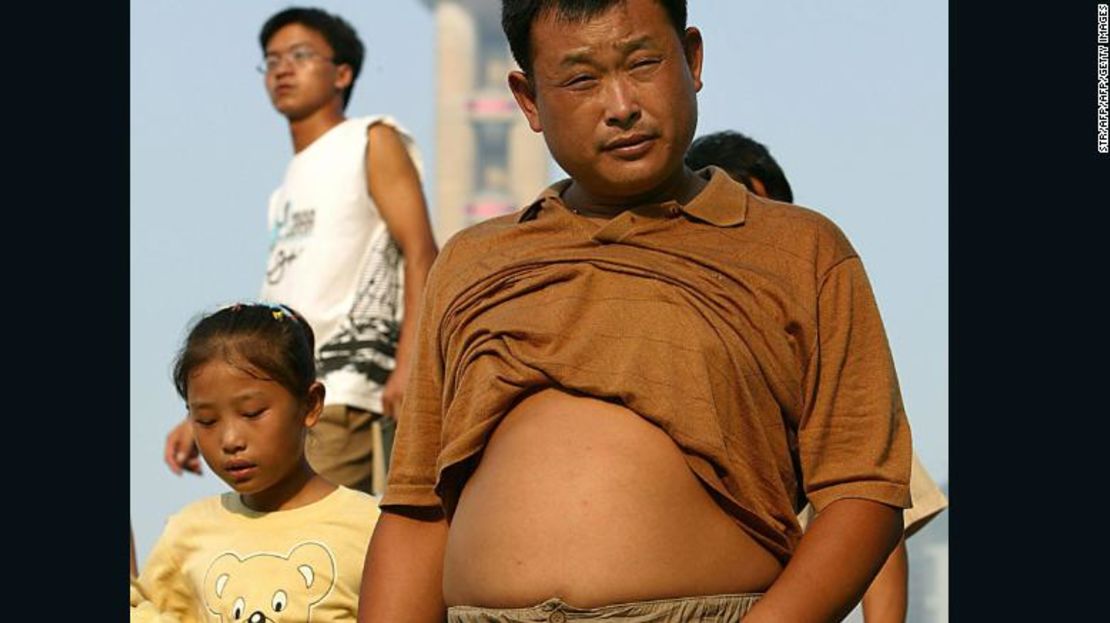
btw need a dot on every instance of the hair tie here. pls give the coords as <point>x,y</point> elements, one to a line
<point>279,311</point>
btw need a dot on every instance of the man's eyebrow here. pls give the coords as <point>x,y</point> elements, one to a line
<point>575,57</point>
<point>299,44</point>
<point>634,44</point>
<point>583,56</point>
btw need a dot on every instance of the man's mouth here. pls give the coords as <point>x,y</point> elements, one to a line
<point>627,141</point>
<point>630,146</point>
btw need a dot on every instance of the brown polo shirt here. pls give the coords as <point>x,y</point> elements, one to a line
<point>744,328</point>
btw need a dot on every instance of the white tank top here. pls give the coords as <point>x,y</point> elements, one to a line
<point>332,259</point>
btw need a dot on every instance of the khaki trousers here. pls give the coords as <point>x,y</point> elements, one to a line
<point>351,447</point>
<point>715,608</point>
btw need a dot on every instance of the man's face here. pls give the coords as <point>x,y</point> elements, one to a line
<point>614,96</point>
<point>302,78</point>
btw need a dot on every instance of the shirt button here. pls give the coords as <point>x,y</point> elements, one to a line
<point>557,617</point>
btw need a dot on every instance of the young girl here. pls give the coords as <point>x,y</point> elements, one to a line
<point>285,544</point>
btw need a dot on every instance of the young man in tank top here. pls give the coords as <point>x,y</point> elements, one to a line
<point>622,392</point>
<point>348,215</point>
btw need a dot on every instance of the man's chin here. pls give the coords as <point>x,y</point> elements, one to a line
<point>631,185</point>
<point>289,111</point>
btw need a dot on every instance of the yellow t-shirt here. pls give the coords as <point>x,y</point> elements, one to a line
<point>218,560</point>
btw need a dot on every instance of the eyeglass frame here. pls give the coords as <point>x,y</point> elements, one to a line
<point>263,67</point>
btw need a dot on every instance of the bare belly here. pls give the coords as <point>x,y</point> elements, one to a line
<point>584,500</point>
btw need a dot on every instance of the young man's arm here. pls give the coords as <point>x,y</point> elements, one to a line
<point>885,600</point>
<point>394,184</point>
<point>840,553</point>
<point>402,579</point>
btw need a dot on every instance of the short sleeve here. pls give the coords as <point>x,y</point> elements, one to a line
<point>853,438</point>
<point>417,441</point>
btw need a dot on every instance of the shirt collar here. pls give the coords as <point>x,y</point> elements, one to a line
<point>723,202</point>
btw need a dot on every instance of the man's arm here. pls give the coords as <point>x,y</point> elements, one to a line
<point>839,555</point>
<point>885,600</point>
<point>402,579</point>
<point>394,184</point>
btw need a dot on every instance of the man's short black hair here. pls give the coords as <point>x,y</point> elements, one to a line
<point>517,17</point>
<point>742,158</point>
<point>340,35</point>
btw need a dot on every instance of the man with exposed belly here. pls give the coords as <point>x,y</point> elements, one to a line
<point>623,393</point>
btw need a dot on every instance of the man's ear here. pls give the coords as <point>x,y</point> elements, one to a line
<point>757,186</point>
<point>694,48</point>
<point>525,93</point>
<point>315,405</point>
<point>344,76</point>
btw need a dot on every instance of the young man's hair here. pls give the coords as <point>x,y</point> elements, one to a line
<point>341,36</point>
<point>517,17</point>
<point>742,158</point>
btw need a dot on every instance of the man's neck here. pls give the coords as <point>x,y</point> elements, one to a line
<point>683,186</point>
<point>305,131</point>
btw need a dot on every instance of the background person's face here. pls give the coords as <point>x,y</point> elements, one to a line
<point>250,431</point>
<point>300,89</point>
<point>614,97</point>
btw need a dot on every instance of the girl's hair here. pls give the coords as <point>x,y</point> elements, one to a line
<point>272,339</point>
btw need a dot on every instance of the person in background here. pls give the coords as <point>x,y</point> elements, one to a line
<point>284,543</point>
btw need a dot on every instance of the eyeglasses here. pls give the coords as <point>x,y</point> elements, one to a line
<point>300,56</point>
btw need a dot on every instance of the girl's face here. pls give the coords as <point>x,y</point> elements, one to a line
<point>251,431</point>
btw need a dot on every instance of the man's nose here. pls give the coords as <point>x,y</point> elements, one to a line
<point>622,105</point>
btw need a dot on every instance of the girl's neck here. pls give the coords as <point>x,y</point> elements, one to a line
<point>300,488</point>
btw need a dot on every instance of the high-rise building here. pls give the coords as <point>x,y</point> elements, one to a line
<point>488,161</point>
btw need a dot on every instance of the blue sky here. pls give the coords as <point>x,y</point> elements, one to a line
<point>850,96</point>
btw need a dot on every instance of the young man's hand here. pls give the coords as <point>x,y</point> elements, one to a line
<point>394,391</point>
<point>181,453</point>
